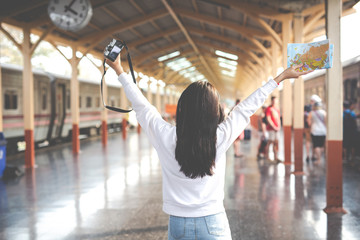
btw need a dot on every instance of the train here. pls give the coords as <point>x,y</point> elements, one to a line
<point>52,113</point>
<point>315,83</point>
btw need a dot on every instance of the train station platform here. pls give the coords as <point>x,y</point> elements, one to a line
<point>115,193</point>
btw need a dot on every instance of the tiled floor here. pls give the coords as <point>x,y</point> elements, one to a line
<point>115,193</point>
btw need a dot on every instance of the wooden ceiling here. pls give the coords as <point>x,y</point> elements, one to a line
<point>196,28</point>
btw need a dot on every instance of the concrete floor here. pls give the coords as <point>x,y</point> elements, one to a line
<point>115,193</point>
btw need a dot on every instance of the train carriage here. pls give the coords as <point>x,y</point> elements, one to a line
<point>52,112</point>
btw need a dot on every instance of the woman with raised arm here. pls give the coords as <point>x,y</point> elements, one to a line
<point>193,153</point>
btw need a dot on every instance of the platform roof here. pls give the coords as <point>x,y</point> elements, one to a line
<point>196,28</point>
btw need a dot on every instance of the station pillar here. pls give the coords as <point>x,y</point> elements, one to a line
<point>287,94</point>
<point>334,84</point>
<point>274,66</point>
<point>28,101</point>
<point>298,102</point>
<point>158,98</point>
<point>171,97</point>
<point>104,117</point>
<point>124,115</point>
<point>75,112</point>
<point>149,93</point>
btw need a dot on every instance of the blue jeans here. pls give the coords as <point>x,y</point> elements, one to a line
<point>190,228</point>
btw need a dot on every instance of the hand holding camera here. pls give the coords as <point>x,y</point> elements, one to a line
<point>112,58</point>
<point>112,54</point>
<point>116,65</point>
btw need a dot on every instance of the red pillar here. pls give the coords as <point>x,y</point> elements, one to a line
<point>334,193</point>
<point>29,150</point>
<point>138,129</point>
<point>75,139</point>
<point>104,133</point>
<point>298,151</point>
<point>287,145</point>
<point>124,124</point>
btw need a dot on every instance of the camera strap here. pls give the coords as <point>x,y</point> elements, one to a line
<point>133,76</point>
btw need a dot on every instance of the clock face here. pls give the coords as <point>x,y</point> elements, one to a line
<point>70,14</point>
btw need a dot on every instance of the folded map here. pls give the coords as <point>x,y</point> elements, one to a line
<point>316,55</point>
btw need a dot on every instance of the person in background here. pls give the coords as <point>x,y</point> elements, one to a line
<point>349,131</point>
<point>237,152</point>
<point>307,134</point>
<point>313,99</point>
<point>317,120</point>
<point>273,128</point>
<point>192,154</point>
<point>262,149</point>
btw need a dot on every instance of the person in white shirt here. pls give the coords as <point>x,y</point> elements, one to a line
<point>193,153</point>
<point>317,122</point>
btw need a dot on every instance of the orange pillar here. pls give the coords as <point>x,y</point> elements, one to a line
<point>334,88</point>
<point>75,112</point>
<point>28,101</point>
<point>287,94</point>
<point>298,102</point>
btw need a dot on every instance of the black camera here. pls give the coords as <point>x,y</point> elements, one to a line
<point>113,49</point>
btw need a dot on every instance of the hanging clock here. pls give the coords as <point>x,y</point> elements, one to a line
<point>70,15</point>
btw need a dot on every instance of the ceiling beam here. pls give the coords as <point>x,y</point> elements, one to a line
<point>314,9</point>
<point>254,14</point>
<point>150,65</point>
<point>151,21</point>
<point>314,34</point>
<point>247,7</point>
<point>248,54</point>
<point>312,20</point>
<point>140,58</point>
<point>264,50</point>
<point>12,8</point>
<point>100,35</point>
<point>244,31</point>
<point>241,44</point>
<point>214,78</point>
<point>153,37</point>
<point>212,56</point>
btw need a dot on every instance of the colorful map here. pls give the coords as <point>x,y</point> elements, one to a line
<point>316,55</point>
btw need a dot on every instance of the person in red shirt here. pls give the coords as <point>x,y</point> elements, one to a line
<point>273,127</point>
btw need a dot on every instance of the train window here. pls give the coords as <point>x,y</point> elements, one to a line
<point>353,94</point>
<point>79,102</point>
<point>350,89</point>
<point>88,102</point>
<point>44,99</point>
<point>11,98</point>
<point>68,99</point>
<point>97,102</point>
<point>347,89</point>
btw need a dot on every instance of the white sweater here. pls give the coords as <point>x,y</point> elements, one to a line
<point>183,196</point>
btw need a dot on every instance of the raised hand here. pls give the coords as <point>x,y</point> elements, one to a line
<point>116,65</point>
<point>291,72</point>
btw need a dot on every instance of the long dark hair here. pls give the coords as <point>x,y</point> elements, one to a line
<point>198,114</point>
